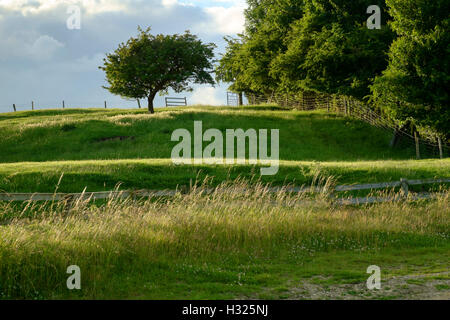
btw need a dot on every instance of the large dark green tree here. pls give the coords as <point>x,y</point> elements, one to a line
<point>248,59</point>
<point>415,86</point>
<point>232,66</point>
<point>148,64</point>
<point>307,45</point>
<point>331,50</point>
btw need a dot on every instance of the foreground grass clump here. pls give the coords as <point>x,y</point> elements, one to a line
<point>236,242</point>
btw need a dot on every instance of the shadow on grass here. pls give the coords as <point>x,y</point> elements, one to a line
<point>150,175</point>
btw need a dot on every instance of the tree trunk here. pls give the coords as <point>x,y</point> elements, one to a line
<point>241,99</point>
<point>151,97</point>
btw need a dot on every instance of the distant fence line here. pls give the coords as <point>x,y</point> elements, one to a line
<point>63,104</point>
<point>354,108</point>
<point>403,184</point>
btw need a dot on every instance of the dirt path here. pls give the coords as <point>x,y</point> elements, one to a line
<point>434,286</point>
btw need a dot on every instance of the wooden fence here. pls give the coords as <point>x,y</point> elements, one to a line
<point>403,183</point>
<point>63,104</point>
<point>169,101</point>
<point>175,102</point>
<point>232,99</point>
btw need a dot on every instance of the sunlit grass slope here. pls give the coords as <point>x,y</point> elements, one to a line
<point>83,134</point>
<point>98,148</point>
<point>100,175</point>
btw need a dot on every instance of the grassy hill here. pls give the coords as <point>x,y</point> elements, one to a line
<point>86,134</point>
<point>230,244</point>
<point>98,148</point>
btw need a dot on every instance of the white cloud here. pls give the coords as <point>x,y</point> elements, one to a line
<point>227,20</point>
<point>206,96</point>
<point>79,65</point>
<point>223,16</point>
<point>27,7</point>
<point>169,3</point>
<point>44,47</point>
<point>208,3</point>
<point>30,46</point>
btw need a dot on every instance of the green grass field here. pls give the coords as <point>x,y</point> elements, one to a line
<point>238,242</point>
<point>80,134</point>
<point>37,147</point>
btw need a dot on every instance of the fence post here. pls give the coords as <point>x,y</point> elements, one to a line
<point>185,101</point>
<point>441,154</point>
<point>64,104</point>
<point>14,107</point>
<point>416,138</point>
<point>404,186</point>
<point>105,104</point>
<point>394,138</point>
<point>32,105</point>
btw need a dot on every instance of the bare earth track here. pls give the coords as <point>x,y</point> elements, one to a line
<point>433,286</point>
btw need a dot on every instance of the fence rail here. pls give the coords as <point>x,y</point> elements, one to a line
<point>394,184</point>
<point>370,200</point>
<point>403,183</point>
<point>65,104</point>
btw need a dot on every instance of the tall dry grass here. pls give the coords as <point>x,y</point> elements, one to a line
<point>232,223</point>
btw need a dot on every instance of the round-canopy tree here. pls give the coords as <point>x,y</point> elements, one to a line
<point>148,64</point>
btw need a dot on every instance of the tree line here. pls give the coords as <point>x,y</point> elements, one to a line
<point>325,46</point>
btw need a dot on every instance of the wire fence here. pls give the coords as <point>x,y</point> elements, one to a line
<point>347,106</point>
<point>69,104</point>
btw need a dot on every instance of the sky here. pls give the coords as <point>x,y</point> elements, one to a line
<point>44,61</point>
